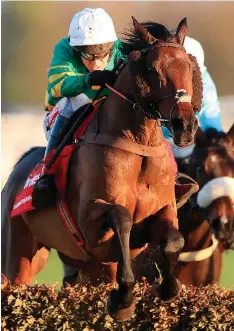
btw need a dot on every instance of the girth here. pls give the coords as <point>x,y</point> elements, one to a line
<point>122,143</point>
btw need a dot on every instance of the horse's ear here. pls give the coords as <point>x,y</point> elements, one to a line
<point>230,133</point>
<point>182,31</point>
<point>143,32</point>
<point>200,138</point>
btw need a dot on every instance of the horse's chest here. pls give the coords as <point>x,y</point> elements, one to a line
<point>142,184</point>
<point>155,187</point>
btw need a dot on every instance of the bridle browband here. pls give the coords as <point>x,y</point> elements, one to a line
<point>180,95</point>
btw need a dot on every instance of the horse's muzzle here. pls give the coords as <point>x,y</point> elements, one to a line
<point>183,131</point>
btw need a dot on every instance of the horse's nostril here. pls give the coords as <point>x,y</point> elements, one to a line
<point>177,125</point>
<point>216,225</point>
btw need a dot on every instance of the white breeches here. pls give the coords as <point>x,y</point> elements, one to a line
<point>65,107</point>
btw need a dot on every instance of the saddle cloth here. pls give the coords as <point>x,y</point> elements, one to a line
<point>23,201</point>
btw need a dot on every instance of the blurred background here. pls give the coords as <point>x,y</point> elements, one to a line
<point>30,31</point>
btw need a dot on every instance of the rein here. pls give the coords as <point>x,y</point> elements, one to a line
<point>180,96</point>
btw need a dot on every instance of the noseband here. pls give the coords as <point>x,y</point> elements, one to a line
<point>180,96</point>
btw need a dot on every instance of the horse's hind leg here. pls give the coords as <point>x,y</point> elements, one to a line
<point>22,257</point>
<point>165,233</point>
<point>70,275</point>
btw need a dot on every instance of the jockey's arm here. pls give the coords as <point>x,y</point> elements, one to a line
<point>210,114</point>
<point>65,78</point>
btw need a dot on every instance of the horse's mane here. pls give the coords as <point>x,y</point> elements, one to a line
<point>197,85</point>
<point>132,40</point>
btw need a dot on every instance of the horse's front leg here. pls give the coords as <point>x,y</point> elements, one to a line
<point>121,304</point>
<point>117,249</point>
<point>165,235</point>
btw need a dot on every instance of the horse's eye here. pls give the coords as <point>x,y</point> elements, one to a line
<point>199,169</point>
<point>150,69</point>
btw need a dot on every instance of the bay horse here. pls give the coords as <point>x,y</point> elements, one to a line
<point>207,221</point>
<point>120,177</point>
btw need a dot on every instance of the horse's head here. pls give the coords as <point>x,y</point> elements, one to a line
<point>212,165</point>
<point>166,80</point>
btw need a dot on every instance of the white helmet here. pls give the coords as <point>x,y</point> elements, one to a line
<point>91,27</point>
<point>193,47</point>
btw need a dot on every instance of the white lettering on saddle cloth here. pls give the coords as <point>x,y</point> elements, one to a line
<point>31,181</point>
<point>28,198</point>
<point>23,201</point>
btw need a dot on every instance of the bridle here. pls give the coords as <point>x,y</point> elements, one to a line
<point>180,95</point>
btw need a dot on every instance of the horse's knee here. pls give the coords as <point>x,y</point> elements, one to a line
<point>119,216</point>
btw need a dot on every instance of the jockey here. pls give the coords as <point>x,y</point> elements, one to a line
<point>210,115</point>
<point>81,63</point>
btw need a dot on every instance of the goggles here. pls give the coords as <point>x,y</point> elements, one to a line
<point>92,57</point>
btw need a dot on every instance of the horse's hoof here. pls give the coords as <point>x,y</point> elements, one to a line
<point>117,311</point>
<point>168,289</point>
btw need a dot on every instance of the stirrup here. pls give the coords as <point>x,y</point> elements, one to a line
<point>47,197</point>
<point>185,187</point>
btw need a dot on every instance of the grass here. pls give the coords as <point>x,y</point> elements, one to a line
<point>54,272</point>
<point>227,277</point>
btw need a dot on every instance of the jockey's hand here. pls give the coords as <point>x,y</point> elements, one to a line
<point>99,77</point>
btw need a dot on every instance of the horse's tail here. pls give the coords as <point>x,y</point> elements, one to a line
<point>30,151</point>
<point>24,165</point>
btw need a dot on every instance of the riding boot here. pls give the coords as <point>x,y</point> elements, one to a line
<point>44,189</point>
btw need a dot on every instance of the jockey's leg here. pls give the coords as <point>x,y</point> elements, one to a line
<point>43,183</point>
<point>43,192</point>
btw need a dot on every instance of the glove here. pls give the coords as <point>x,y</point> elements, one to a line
<point>99,77</point>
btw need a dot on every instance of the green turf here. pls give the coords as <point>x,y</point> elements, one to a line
<point>53,272</point>
<point>227,277</point>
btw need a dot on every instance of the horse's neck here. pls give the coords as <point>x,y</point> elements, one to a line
<point>117,117</point>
